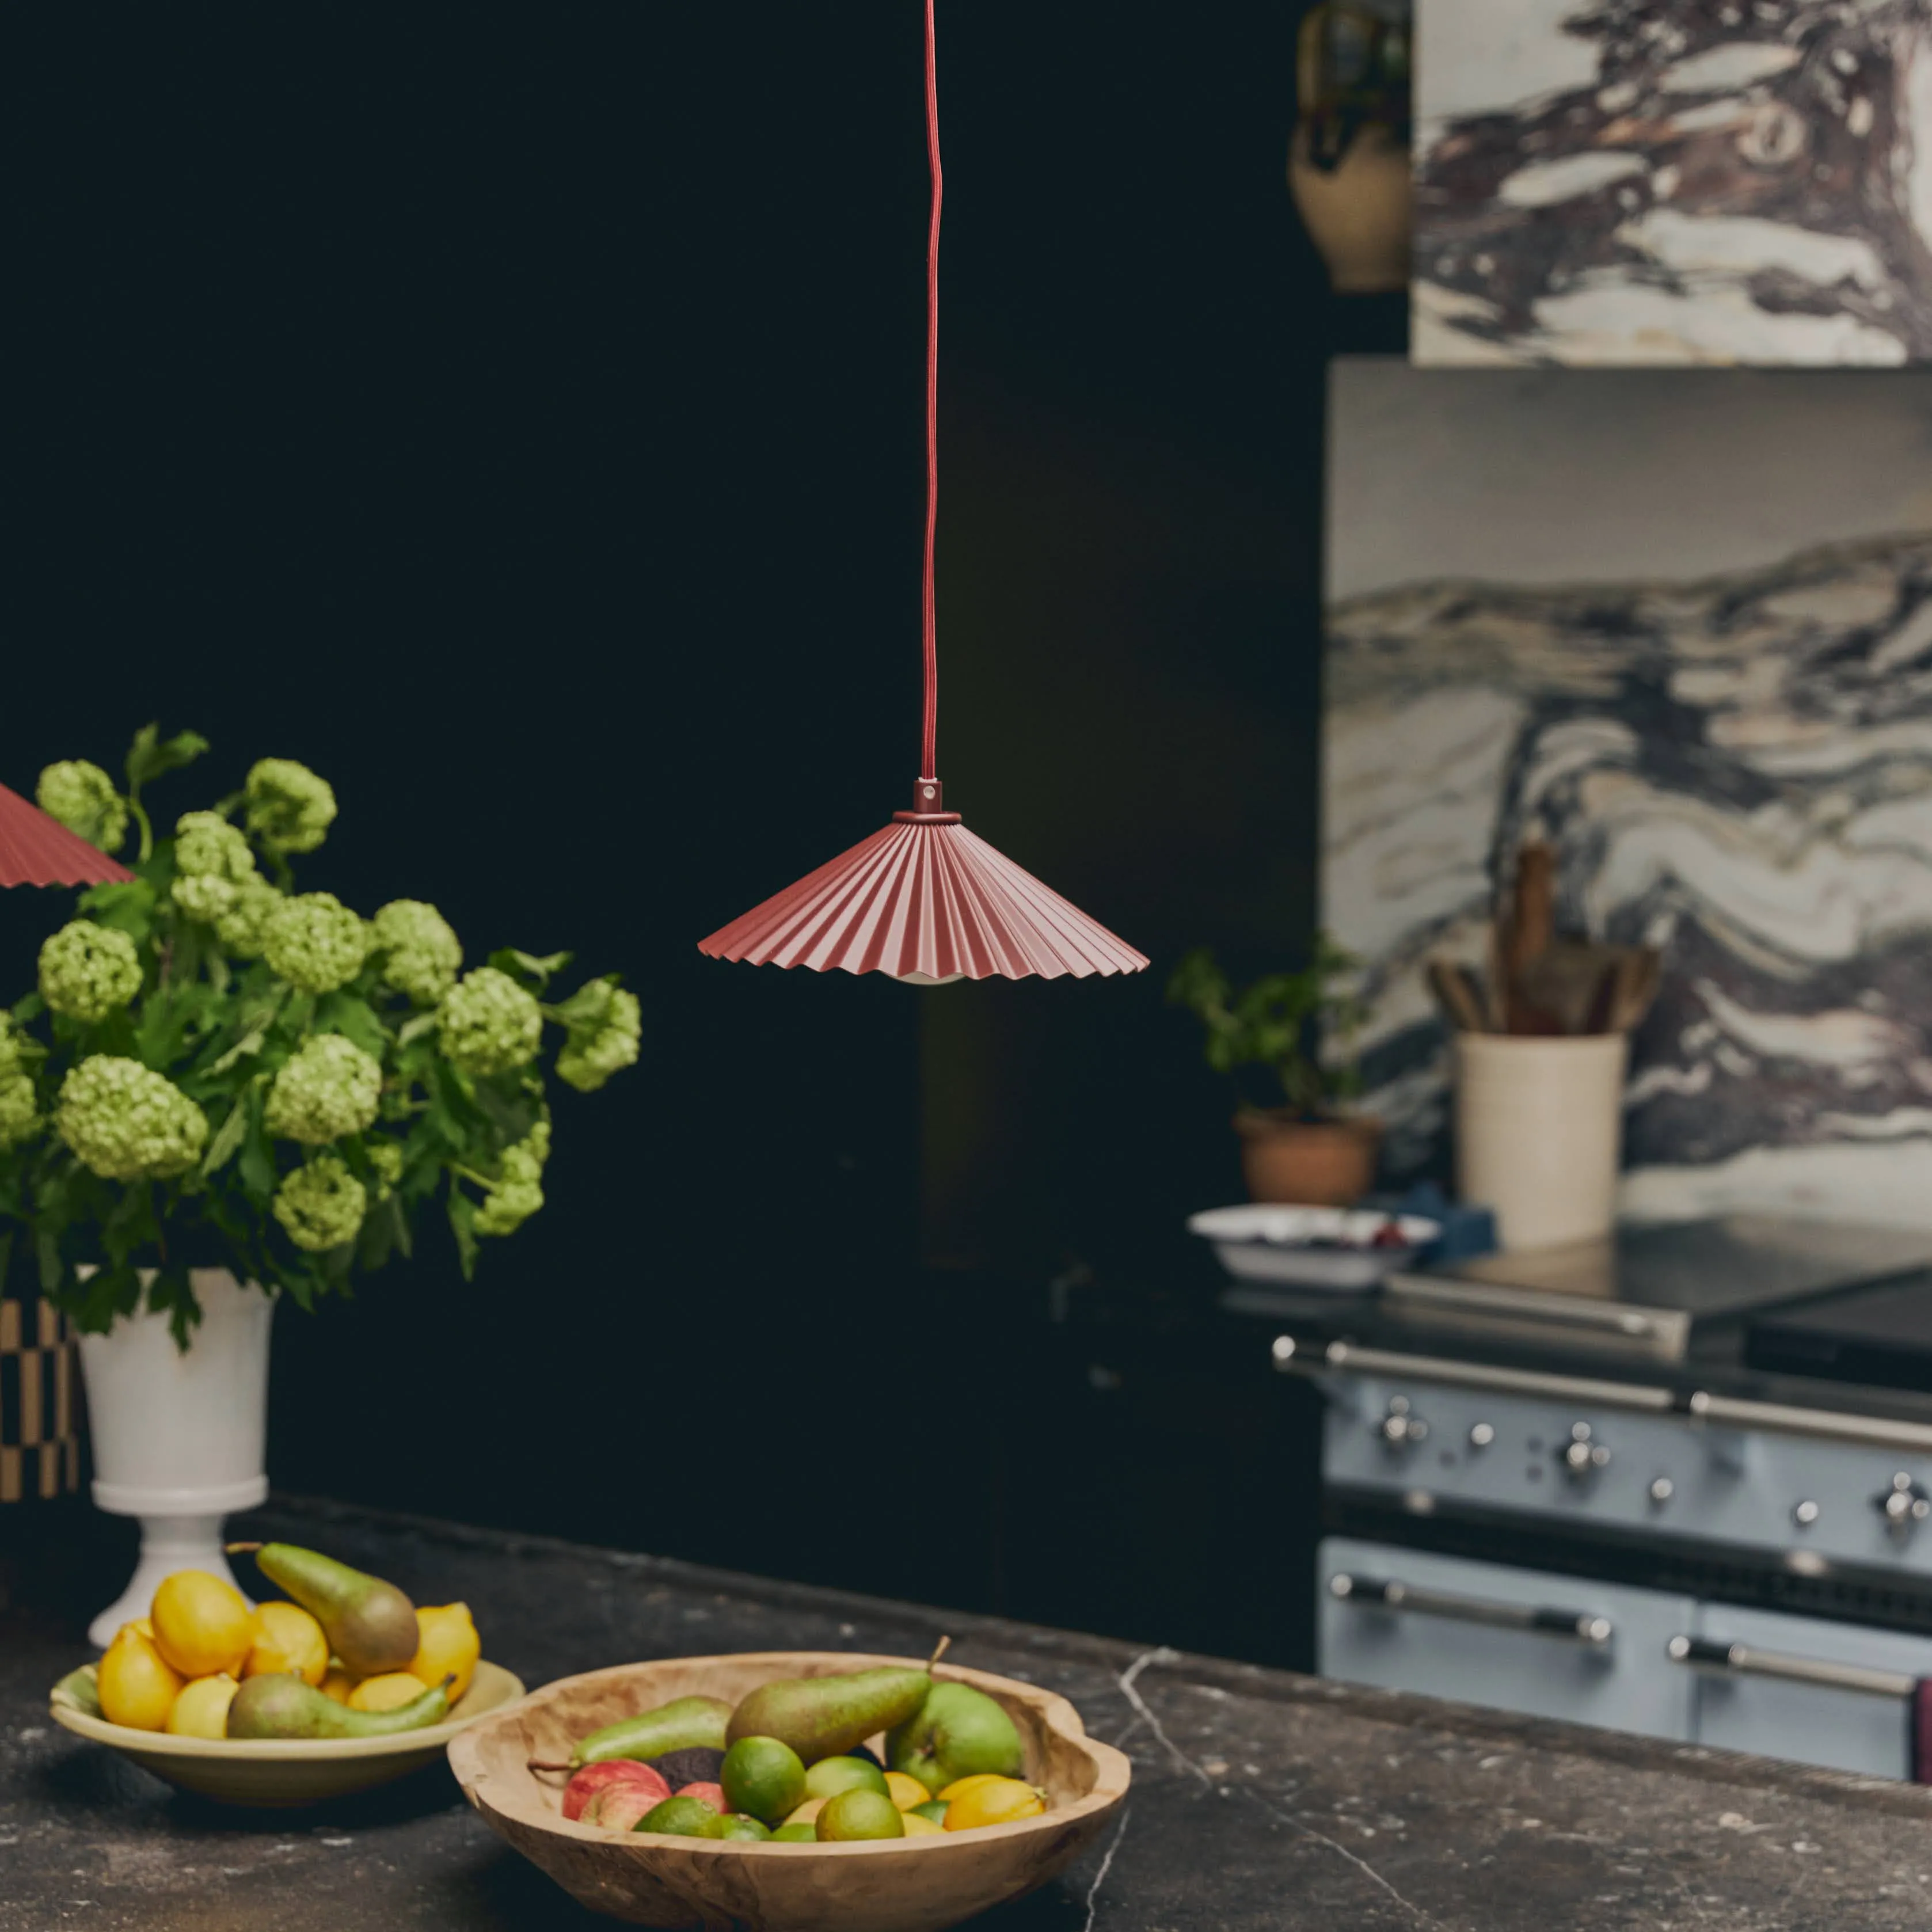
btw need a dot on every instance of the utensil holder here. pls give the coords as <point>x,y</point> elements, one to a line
<point>1539,1133</point>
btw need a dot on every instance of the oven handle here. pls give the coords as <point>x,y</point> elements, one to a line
<point>1386,1593</point>
<point>1316,1358</point>
<point>1742,1659</point>
<point>1293,1356</point>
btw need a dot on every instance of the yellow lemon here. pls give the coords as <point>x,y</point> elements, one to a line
<point>917,1827</point>
<point>991,1800</point>
<point>960,1786</point>
<point>201,1710</point>
<point>448,1645</point>
<point>906,1791</point>
<point>201,1625</point>
<point>338,1683</point>
<point>386,1692</point>
<point>137,1687</point>
<point>287,1638</point>
<point>807,1813</point>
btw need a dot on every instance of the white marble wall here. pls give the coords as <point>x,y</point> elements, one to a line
<point>1736,766</point>
<point>1635,182</point>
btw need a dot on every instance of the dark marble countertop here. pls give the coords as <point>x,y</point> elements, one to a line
<point>1260,1800</point>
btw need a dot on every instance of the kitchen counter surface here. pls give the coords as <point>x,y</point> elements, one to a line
<point>1260,1800</point>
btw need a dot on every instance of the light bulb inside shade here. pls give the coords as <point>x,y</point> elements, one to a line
<point>925,979</point>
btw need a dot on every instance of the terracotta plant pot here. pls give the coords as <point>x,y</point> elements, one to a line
<point>1310,1163</point>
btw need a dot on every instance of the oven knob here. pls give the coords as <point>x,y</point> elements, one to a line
<point>1904,1506</point>
<point>1580,1458</point>
<point>1804,1514</point>
<point>1662,1490</point>
<point>1481,1435</point>
<point>1399,1428</point>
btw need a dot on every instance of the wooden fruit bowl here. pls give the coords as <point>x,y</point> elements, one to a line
<point>698,1885</point>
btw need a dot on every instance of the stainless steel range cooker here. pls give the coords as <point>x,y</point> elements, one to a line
<point>1653,1548</point>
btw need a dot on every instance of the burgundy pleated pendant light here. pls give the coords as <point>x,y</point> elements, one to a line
<point>923,899</point>
<point>37,850</point>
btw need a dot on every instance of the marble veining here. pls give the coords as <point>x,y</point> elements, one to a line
<point>1739,770</point>
<point>1661,181</point>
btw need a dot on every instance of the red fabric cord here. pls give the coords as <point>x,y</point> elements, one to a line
<point>928,766</point>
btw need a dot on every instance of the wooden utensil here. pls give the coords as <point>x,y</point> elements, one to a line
<point>883,1885</point>
<point>1459,995</point>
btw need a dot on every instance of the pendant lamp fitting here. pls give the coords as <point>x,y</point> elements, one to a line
<point>928,806</point>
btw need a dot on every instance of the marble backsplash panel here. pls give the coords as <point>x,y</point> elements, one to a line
<point>1686,181</point>
<point>1731,753</point>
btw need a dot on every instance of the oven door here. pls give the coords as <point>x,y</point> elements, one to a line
<point>1825,1693</point>
<point>1515,1639</point>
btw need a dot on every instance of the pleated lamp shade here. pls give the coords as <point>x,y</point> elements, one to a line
<point>923,899</point>
<point>37,850</point>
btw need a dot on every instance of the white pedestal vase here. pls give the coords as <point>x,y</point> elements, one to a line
<point>180,1440</point>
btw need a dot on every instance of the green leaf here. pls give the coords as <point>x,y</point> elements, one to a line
<point>462,1225</point>
<point>256,1167</point>
<point>151,755</point>
<point>354,1019</point>
<point>127,906</point>
<point>415,1028</point>
<point>227,1137</point>
<point>532,971</point>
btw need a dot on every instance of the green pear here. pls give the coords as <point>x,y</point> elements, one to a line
<point>829,1716</point>
<point>956,1732</point>
<point>686,1723</point>
<point>369,1624</point>
<point>281,1705</point>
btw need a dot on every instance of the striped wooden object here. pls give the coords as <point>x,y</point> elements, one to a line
<point>39,1415</point>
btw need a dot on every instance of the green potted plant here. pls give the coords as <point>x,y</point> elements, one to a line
<point>1307,1147</point>
<point>223,1092</point>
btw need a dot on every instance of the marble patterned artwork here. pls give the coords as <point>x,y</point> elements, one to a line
<point>1623,182</point>
<point>1681,625</point>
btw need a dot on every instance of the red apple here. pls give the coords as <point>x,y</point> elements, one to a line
<point>713,1795</point>
<point>587,1784</point>
<point>618,1807</point>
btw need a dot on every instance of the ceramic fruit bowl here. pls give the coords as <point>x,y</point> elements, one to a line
<point>1342,1249</point>
<point>274,1773</point>
<point>699,1885</point>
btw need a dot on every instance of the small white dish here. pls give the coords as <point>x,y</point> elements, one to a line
<point>1261,1242</point>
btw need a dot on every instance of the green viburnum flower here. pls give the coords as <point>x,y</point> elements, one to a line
<point>19,1119</point>
<point>605,1025</point>
<point>88,970</point>
<point>82,796</point>
<point>289,809</point>
<point>488,1024</point>
<point>518,1192</point>
<point>328,1087</point>
<point>211,862</point>
<point>421,954</point>
<point>240,927</point>
<point>314,942</point>
<point>386,1158</point>
<point>125,1122</point>
<point>321,1204</point>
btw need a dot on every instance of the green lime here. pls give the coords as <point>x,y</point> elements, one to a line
<point>858,1814</point>
<point>933,1808</point>
<point>831,1775</point>
<point>763,1776</point>
<point>795,1834</point>
<point>736,1824</point>
<point>682,1817</point>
